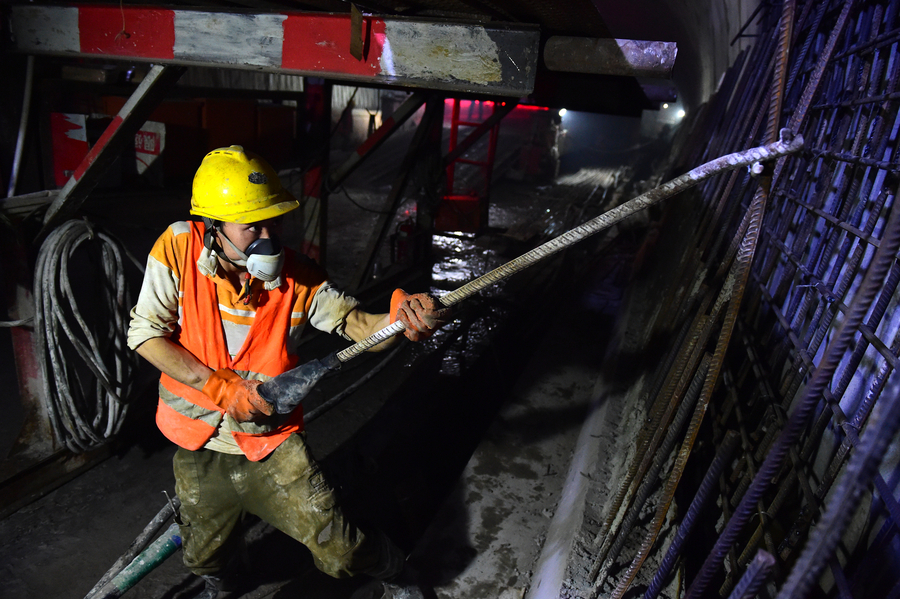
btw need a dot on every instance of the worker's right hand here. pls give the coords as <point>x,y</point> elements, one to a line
<point>237,396</point>
<point>421,313</point>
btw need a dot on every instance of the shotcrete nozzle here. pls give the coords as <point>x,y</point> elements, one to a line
<point>287,390</point>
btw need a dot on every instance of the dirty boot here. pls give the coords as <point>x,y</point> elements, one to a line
<point>409,590</point>
<point>212,588</point>
<point>403,586</point>
<point>379,589</point>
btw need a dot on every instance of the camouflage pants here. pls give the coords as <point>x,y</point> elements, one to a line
<point>287,490</point>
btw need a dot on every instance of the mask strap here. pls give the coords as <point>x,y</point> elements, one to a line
<point>211,242</point>
<point>209,236</point>
<point>243,257</point>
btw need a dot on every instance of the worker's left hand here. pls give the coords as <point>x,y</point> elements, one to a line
<point>421,313</point>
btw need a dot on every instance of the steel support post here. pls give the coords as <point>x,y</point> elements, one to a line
<point>477,133</point>
<point>434,110</point>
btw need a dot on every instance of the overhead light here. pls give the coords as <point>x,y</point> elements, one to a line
<point>562,112</point>
<point>681,114</point>
<point>665,105</point>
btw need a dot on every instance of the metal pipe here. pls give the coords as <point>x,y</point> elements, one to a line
<point>138,545</point>
<point>23,126</point>
<point>158,551</point>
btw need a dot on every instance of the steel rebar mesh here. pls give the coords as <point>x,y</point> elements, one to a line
<point>819,329</point>
<point>817,247</point>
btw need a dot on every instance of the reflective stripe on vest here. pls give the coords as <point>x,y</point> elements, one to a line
<point>191,422</point>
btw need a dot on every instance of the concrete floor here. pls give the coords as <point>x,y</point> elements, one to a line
<point>486,538</point>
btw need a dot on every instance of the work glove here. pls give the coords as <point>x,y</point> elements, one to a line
<point>421,313</point>
<point>237,396</point>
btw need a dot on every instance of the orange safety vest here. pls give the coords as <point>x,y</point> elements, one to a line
<point>264,352</point>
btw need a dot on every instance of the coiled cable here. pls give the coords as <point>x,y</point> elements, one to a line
<point>86,371</point>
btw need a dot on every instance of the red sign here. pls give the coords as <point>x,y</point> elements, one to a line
<point>147,142</point>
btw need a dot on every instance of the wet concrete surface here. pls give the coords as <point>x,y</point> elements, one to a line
<point>489,532</point>
<point>458,449</point>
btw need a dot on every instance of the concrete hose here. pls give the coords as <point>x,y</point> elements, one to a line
<point>86,374</point>
<point>287,390</point>
<point>789,144</point>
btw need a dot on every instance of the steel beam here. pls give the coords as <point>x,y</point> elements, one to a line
<point>486,58</point>
<point>606,56</point>
<point>117,136</point>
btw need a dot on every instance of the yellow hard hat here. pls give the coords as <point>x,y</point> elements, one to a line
<point>235,186</point>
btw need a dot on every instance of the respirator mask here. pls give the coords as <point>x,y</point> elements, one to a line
<point>263,258</point>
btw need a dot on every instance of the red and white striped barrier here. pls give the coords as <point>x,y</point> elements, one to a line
<point>461,57</point>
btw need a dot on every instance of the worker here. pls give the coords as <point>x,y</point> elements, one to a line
<point>221,310</point>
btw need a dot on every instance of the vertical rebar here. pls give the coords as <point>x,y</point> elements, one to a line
<point>755,576</point>
<point>723,456</point>
<point>649,481</point>
<point>844,501</point>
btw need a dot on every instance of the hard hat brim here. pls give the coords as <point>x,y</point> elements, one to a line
<point>286,202</point>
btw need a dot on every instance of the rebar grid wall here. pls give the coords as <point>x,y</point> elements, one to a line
<point>788,333</point>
